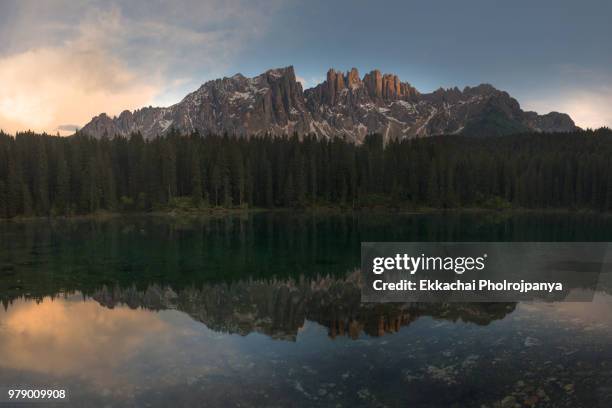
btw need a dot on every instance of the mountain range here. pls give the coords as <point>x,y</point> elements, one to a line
<point>344,105</point>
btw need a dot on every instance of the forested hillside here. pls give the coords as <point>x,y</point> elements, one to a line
<point>47,175</point>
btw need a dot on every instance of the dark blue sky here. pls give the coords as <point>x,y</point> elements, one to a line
<point>434,43</point>
<point>550,55</point>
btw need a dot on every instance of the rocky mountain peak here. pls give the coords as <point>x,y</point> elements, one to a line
<point>374,83</point>
<point>387,86</point>
<point>352,78</point>
<point>286,73</point>
<point>344,105</point>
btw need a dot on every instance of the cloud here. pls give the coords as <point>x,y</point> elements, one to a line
<point>44,88</point>
<point>309,83</point>
<point>588,107</point>
<point>68,128</point>
<point>74,61</point>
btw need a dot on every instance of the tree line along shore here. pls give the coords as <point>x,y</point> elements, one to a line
<point>42,175</point>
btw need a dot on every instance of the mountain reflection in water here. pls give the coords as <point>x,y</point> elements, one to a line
<point>261,311</point>
<point>125,347</point>
<point>280,308</point>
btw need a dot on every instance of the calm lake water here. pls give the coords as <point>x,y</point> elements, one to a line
<point>264,310</point>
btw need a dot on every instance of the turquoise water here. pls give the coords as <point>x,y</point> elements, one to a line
<point>264,310</point>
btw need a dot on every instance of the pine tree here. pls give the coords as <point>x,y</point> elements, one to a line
<point>433,189</point>
<point>215,182</point>
<point>15,187</point>
<point>62,185</point>
<point>41,179</point>
<point>196,180</point>
<point>3,200</point>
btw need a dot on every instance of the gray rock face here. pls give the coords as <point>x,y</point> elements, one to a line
<point>344,105</point>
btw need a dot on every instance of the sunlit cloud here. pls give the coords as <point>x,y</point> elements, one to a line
<point>584,93</point>
<point>74,62</point>
<point>589,108</point>
<point>47,88</point>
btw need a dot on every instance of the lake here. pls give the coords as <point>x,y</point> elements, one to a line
<point>263,309</point>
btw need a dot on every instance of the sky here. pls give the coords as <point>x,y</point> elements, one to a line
<point>63,62</point>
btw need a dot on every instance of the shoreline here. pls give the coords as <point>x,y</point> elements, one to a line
<point>222,212</point>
